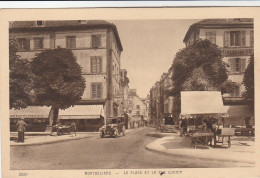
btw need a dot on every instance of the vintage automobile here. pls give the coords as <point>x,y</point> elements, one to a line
<point>167,124</point>
<point>113,127</point>
<point>61,129</point>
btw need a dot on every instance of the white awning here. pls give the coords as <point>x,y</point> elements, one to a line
<point>82,112</point>
<point>202,102</point>
<point>74,112</point>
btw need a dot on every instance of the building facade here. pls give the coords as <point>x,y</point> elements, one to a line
<point>235,38</point>
<point>138,109</point>
<point>96,45</point>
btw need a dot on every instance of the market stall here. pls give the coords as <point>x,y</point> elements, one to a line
<point>202,111</point>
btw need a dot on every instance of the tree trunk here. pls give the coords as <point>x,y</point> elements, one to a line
<point>53,115</point>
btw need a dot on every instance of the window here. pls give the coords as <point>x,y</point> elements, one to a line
<point>39,23</point>
<point>23,44</point>
<point>96,90</point>
<point>70,42</point>
<point>96,41</point>
<point>237,65</point>
<point>236,92</point>
<point>38,43</point>
<point>211,36</point>
<point>96,65</point>
<point>252,38</point>
<point>234,38</point>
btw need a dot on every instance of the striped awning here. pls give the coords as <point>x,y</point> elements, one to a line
<point>74,112</point>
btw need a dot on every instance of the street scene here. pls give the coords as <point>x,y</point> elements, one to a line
<point>131,94</point>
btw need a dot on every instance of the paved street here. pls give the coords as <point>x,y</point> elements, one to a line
<point>96,153</point>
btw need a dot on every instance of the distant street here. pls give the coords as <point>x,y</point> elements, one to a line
<point>96,153</point>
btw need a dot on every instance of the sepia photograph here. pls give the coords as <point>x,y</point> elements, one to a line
<point>145,96</point>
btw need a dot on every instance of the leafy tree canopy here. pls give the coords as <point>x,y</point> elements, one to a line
<point>57,78</point>
<point>248,80</point>
<point>20,88</point>
<point>199,67</point>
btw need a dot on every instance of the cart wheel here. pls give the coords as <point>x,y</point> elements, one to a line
<point>58,132</point>
<point>102,134</point>
<point>229,142</point>
<point>116,133</point>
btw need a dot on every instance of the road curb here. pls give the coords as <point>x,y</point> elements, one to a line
<point>50,142</point>
<point>166,152</point>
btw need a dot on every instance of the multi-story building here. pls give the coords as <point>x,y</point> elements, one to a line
<point>97,47</point>
<point>235,38</point>
<point>137,108</point>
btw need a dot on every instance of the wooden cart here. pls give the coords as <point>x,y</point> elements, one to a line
<point>223,134</point>
<point>201,138</point>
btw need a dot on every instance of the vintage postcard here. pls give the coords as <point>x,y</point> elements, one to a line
<point>130,92</point>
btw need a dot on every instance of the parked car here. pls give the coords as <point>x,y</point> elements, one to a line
<point>113,127</point>
<point>167,124</point>
<point>61,129</point>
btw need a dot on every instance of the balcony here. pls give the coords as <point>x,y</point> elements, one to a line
<point>240,51</point>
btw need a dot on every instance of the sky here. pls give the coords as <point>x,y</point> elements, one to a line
<point>149,47</point>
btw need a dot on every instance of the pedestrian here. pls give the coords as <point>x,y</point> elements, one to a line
<point>21,129</point>
<point>74,128</point>
<point>183,127</point>
<point>210,127</point>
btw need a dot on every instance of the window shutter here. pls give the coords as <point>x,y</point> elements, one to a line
<point>226,38</point>
<point>99,90</point>
<point>231,63</point>
<point>93,65</point>
<point>99,64</point>
<point>243,65</point>
<point>27,47</point>
<point>252,38</point>
<point>243,38</point>
<point>94,91</point>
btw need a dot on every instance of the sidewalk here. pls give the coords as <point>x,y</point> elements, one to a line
<point>46,139</point>
<point>242,149</point>
<point>39,138</point>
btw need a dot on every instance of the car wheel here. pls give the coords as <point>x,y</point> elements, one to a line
<point>102,134</point>
<point>58,132</point>
<point>116,133</point>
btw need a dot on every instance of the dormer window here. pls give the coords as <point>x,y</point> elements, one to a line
<point>39,23</point>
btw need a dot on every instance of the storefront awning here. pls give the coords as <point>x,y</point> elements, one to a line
<point>82,112</point>
<point>202,102</point>
<point>75,112</point>
<point>30,112</point>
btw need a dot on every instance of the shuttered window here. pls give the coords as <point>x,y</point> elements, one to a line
<point>23,44</point>
<point>252,38</point>
<point>38,43</point>
<point>96,41</point>
<point>96,64</point>
<point>237,65</point>
<point>96,90</point>
<point>211,36</point>
<point>234,38</point>
<point>71,42</point>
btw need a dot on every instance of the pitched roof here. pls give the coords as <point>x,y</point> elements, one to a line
<point>24,26</point>
<point>219,23</point>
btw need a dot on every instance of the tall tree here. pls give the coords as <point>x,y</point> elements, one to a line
<point>248,81</point>
<point>20,88</point>
<point>199,67</point>
<point>57,80</point>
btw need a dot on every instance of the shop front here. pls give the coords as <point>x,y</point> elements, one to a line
<point>86,117</point>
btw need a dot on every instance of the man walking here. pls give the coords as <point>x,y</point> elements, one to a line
<point>74,128</point>
<point>21,129</point>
